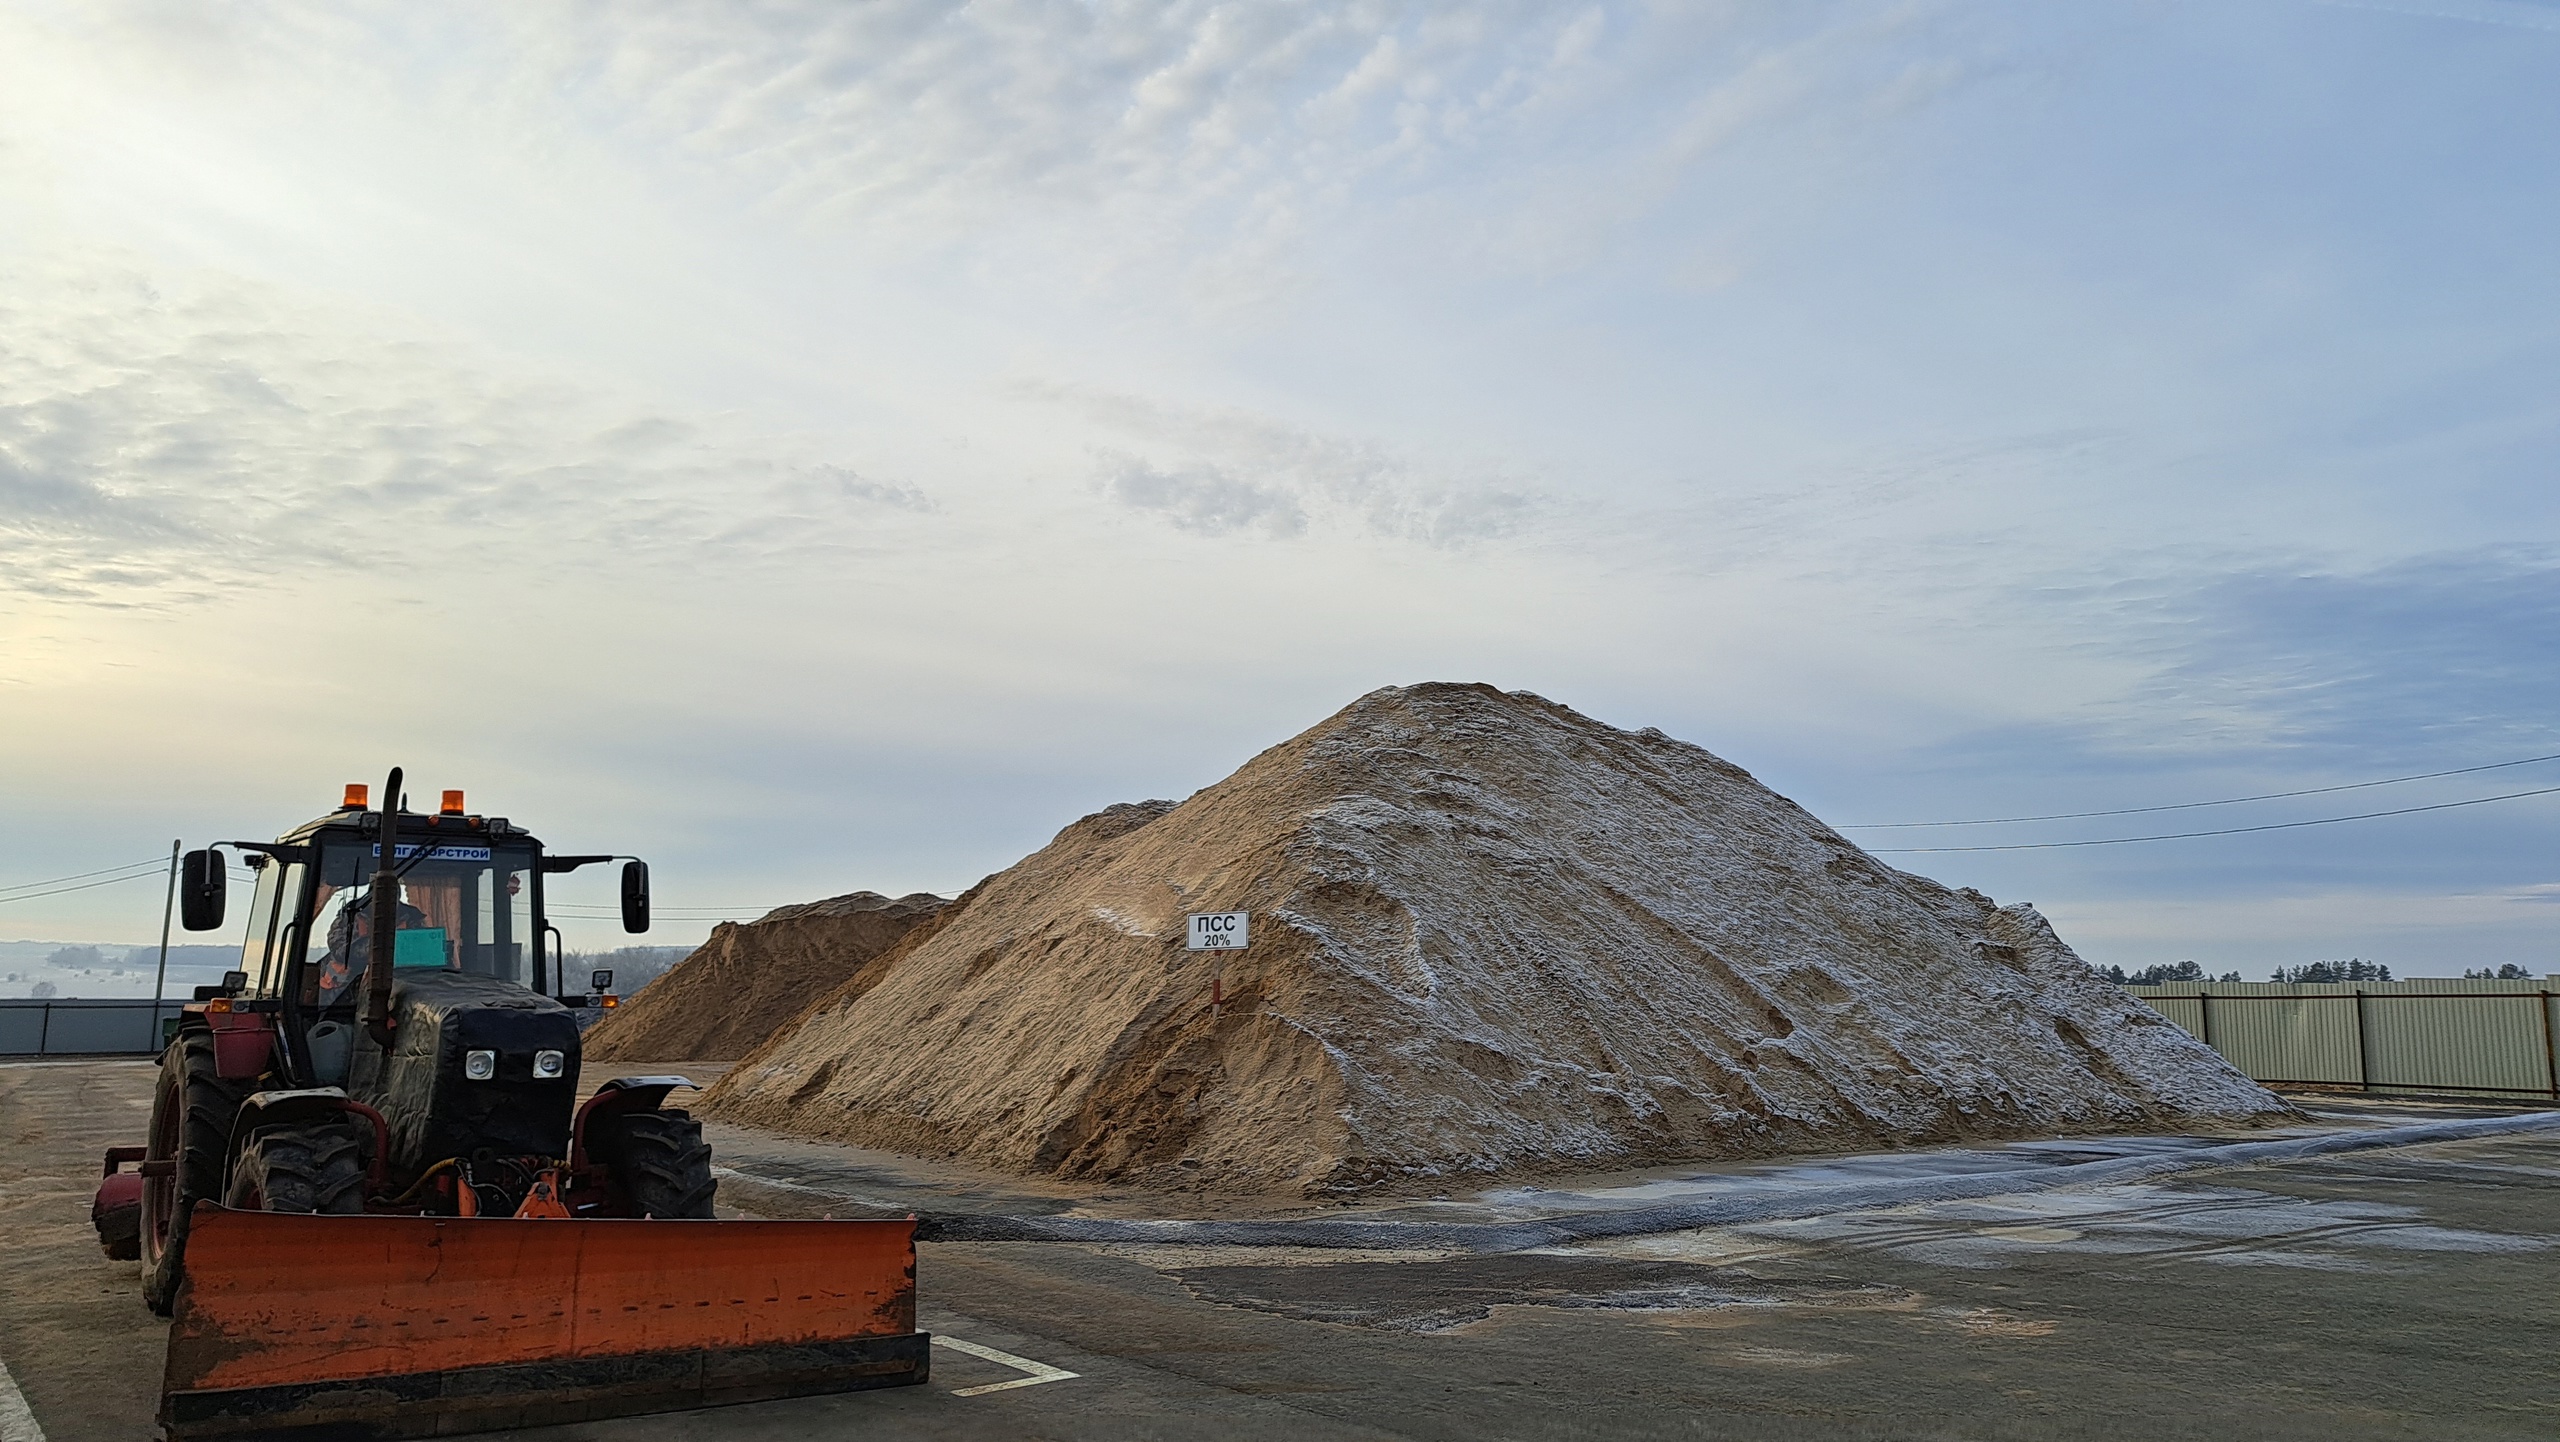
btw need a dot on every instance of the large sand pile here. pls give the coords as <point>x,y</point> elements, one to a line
<point>750,979</point>
<point>1489,935</point>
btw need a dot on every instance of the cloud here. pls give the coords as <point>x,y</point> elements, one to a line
<point>2514,13</point>
<point>71,540</point>
<point>822,494</point>
<point>2458,647</point>
<point>1952,403</point>
<point>1230,149</point>
<point>210,432</point>
<point>2225,672</point>
<point>836,485</point>
<point>1226,469</point>
<point>1205,499</point>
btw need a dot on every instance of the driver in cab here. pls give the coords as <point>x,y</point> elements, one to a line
<point>351,945</point>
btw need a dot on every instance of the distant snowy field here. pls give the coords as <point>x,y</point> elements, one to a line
<point>114,969</point>
<point>106,969</point>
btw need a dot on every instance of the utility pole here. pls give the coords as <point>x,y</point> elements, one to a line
<point>160,983</point>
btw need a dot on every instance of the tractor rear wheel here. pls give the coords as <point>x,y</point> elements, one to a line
<point>191,1115</point>
<point>315,1167</point>
<point>660,1163</point>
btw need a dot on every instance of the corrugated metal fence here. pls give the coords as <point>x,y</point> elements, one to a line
<point>2491,1038</point>
<point>82,1027</point>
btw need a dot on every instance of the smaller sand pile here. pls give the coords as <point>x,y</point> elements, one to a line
<point>750,979</point>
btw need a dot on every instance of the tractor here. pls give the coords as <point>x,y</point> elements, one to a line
<point>375,1205</point>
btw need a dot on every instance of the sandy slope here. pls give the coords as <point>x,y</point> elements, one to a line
<point>1491,935</point>
<point>749,980</point>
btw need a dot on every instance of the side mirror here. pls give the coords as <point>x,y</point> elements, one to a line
<point>600,980</point>
<point>635,896</point>
<point>201,879</point>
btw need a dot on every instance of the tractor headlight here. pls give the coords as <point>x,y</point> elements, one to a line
<point>479,1065</point>
<point>548,1064</point>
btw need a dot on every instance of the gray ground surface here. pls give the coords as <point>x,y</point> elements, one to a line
<point>2381,1294</point>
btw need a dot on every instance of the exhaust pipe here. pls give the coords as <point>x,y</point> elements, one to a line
<point>386,920</point>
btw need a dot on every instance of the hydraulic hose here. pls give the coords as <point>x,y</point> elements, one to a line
<point>418,1188</point>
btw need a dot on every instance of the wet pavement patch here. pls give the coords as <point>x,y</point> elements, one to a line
<point>1447,1295</point>
<point>2226,1226</point>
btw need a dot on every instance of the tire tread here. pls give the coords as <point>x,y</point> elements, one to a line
<point>207,1105</point>
<point>663,1164</point>
<point>316,1167</point>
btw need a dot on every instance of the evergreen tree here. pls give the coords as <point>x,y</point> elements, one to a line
<point>2333,971</point>
<point>2166,972</point>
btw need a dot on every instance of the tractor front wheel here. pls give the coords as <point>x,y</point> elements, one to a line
<point>191,1115</point>
<point>660,1163</point>
<point>317,1167</point>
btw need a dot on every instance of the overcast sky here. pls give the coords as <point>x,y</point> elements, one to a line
<point>823,446</point>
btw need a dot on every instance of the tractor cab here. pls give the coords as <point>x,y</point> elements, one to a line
<point>469,901</point>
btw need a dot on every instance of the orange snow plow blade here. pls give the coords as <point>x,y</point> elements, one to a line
<point>385,1327</point>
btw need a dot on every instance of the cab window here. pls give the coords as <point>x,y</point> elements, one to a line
<point>274,917</point>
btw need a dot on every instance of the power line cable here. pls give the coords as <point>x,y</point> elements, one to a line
<point>157,863</point>
<point>600,906</point>
<point>670,913</point>
<point>2229,831</point>
<point>2193,805</point>
<point>659,913</point>
<point>24,893</point>
<point>86,885</point>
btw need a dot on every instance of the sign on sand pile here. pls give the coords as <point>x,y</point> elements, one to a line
<point>1489,935</point>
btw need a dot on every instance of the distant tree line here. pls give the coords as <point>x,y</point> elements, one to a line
<point>2162,974</point>
<point>216,958</point>
<point>2348,970</point>
<point>633,967</point>
<point>142,958</point>
<point>2352,969</point>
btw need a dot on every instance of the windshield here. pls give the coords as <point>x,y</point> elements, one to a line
<point>464,906</point>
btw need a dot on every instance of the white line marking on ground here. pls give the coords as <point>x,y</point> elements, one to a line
<point>1040,1371</point>
<point>17,1424</point>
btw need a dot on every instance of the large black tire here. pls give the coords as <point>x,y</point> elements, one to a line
<point>191,1116</point>
<point>315,1167</point>
<point>660,1163</point>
